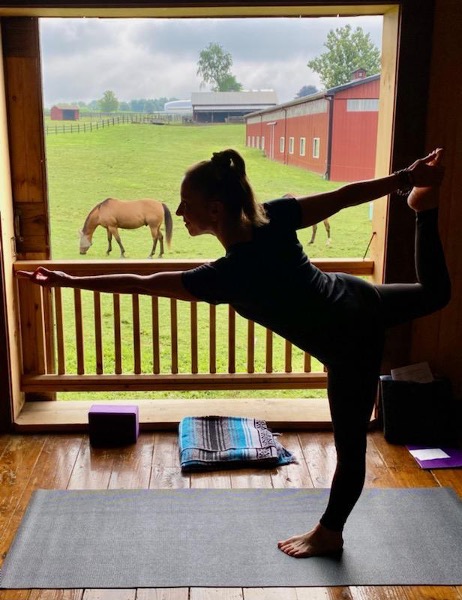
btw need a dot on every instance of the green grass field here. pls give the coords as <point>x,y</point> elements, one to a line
<point>139,161</point>
<point>136,161</point>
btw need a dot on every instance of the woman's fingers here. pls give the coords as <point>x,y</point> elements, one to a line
<point>40,275</point>
<point>24,274</point>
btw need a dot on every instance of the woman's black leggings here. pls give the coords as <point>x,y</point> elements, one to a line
<point>352,386</point>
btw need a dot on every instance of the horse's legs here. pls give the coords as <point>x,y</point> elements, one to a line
<point>327,226</point>
<point>109,242</point>
<point>313,235</point>
<point>161,242</point>
<point>154,244</point>
<point>113,231</point>
<point>157,236</point>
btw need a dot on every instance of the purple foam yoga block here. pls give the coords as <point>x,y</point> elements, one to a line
<point>113,424</point>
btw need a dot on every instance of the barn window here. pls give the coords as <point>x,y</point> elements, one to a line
<point>281,144</point>
<point>302,146</point>
<point>291,145</point>
<point>316,145</point>
<point>262,142</point>
<point>362,104</point>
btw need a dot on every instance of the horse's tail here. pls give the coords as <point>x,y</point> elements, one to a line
<point>168,224</point>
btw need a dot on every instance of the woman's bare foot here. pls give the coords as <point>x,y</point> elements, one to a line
<point>317,542</point>
<point>423,198</point>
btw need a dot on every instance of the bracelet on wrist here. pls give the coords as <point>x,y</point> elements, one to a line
<point>406,181</point>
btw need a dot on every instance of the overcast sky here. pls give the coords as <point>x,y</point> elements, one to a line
<point>153,58</point>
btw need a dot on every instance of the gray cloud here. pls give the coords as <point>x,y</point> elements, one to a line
<point>152,58</point>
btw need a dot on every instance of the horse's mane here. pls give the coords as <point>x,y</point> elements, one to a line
<point>95,208</point>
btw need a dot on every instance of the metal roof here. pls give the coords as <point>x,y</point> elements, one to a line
<point>66,107</point>
<point>234,100</point>
<point>321,94</point>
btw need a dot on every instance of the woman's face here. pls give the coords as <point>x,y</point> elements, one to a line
<point>199,214</point>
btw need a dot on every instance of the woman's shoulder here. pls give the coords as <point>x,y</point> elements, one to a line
<point>284,211</point>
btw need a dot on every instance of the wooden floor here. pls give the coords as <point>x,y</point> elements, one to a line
<point>65,461</point>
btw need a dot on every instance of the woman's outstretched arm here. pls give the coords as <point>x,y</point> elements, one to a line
<point>167,284</point>
<point>425,172</point>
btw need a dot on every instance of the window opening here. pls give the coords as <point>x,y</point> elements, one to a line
<point>113,136</point>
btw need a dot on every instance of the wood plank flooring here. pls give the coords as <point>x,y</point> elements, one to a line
<point>66,461</point>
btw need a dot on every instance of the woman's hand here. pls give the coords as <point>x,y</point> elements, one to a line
<point>427,171</point>
<point>46,278</point>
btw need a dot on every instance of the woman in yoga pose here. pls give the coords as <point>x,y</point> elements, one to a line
<point>266,276</point>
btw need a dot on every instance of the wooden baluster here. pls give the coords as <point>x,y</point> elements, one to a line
<point>231,340</point>
<point>59,331</point>
<point>250,347</point>
<point>155,336</point>
<point>174,333</point>
<point>32,327</point>
<point>213,339</point>
<point>269,351</point>
<point>79,332</point>
<point>288,357</point>
<point>136,334</point>
<point>117,336</point>
<point>98,333</point>
<point>307,363</point>
<point>194,341</point>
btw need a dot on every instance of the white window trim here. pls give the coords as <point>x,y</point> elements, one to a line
<point>316,147</point>
<point>291,145</point>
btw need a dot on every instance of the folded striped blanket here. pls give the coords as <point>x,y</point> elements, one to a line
<point>208,443</point>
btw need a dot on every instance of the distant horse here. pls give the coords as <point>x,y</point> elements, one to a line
<point>315,226</point>
<point>127,214</point>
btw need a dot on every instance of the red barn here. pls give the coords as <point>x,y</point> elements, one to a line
<point>333,133</point>
<point>65,113</point>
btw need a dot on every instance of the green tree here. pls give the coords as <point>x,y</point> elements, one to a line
<point>230,84</point>
<point>347,50</point>
<point>306,90</point>
<point>108,102</point>
<point>214,67</point>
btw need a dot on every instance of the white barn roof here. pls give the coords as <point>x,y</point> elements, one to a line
<point>252,100</point>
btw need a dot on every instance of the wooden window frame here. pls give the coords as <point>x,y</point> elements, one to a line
<point>401,130</point>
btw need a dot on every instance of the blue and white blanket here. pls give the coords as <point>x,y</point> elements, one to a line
<point>208,443</point>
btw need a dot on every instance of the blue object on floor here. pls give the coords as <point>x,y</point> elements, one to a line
<point>213,442</point>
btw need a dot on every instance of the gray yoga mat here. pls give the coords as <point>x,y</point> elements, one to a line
<point>227,538</point>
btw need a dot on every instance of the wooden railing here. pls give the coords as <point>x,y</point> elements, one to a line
<point>74,340</point>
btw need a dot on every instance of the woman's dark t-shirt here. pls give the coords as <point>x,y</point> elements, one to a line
<point>270,280</point>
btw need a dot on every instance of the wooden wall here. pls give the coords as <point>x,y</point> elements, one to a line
<point>438,338</point>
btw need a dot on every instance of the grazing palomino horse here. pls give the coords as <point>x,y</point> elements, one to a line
<point>315,226</point>
<point>127,214</point>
